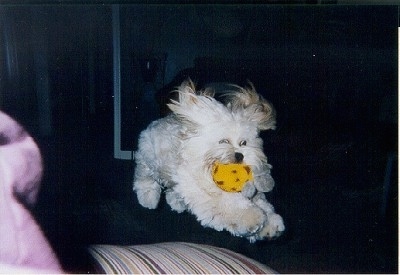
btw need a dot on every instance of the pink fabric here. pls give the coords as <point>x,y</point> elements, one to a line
<point>22,243</point>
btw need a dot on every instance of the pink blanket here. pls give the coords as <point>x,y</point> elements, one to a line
<point>23,246</point>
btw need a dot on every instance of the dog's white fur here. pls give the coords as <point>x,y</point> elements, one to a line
<point>176,153</point>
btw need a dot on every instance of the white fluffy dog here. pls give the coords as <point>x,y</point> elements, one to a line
<point>177,153</point>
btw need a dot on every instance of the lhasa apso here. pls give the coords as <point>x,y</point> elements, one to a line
<point>177,153</point>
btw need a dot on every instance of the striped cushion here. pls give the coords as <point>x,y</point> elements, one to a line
<point>172,258</point>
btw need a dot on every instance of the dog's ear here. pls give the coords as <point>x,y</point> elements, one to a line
<point>187,96</point>
<point>252,106</point>
<point>197,107</point>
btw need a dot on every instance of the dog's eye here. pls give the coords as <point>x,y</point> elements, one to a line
<point>224,141</point>
<point>243,143</point>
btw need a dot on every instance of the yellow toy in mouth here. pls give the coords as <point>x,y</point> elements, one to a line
<point>231,177</point>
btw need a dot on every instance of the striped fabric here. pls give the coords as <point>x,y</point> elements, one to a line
<point>176,258</point>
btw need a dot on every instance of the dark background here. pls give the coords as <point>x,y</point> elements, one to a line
<point>329,70</point>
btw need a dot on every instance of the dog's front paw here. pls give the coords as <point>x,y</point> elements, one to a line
<point>273,228</point>
<point>248,222</point>
<point>264,182</point>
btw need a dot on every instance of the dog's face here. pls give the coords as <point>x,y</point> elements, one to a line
<point>227,133</point>
<point>229,142</point>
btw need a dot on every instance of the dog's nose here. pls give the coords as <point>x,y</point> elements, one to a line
<point>239,157</point>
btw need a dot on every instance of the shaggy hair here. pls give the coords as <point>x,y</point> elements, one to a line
<point>176,154</point>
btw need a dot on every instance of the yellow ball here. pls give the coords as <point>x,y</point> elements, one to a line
<point>231,177</point>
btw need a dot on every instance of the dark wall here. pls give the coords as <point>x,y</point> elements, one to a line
<point>342,59</point>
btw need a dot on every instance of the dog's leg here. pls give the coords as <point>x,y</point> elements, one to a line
<point>274,225</point>
<point>263,180</point>
<point>246,221</point>
<point>148,190</point>
<point>229,211</point>
<point>175,201</point>
<point>249,190</point>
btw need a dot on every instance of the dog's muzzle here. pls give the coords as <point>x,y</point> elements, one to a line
<point>238,157</point>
